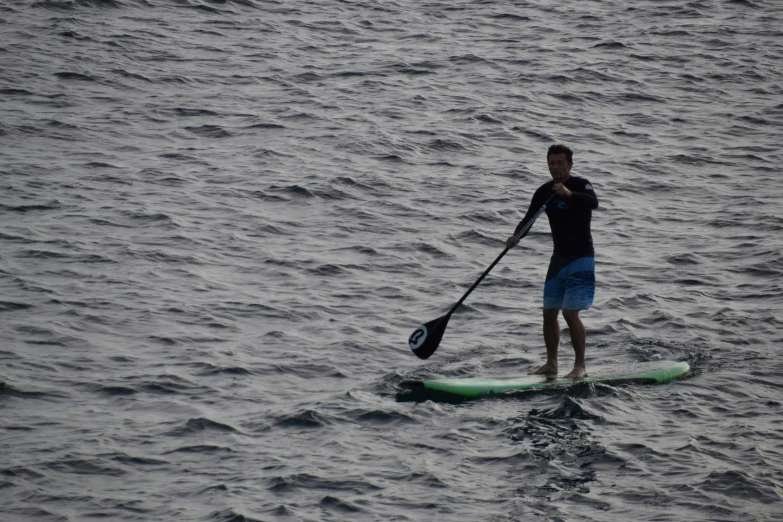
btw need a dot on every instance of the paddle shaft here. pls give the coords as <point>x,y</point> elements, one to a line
<point>426,338</point>
<point>518,235</point>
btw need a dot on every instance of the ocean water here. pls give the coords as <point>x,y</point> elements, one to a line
<point>221,220</point>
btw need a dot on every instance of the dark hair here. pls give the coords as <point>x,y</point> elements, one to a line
<point>561,149</point>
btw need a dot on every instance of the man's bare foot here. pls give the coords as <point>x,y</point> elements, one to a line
<point>579,372</point>
<point>547,369</point>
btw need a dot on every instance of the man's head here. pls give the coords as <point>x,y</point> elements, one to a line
<point>560,160</point>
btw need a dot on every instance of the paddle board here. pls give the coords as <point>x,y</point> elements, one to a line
<point>641,373</point>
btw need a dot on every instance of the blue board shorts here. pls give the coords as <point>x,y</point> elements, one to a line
<point>570,283</point>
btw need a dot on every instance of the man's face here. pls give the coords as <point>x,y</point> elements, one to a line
<point>559,167</point>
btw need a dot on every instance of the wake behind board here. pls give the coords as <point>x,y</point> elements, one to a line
<point>640,373</point>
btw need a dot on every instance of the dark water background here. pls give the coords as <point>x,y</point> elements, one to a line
<point>220,221</point>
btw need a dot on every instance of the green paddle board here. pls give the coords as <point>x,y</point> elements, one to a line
<point>641,373</point>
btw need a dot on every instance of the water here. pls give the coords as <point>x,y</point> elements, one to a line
<point>222,220</point>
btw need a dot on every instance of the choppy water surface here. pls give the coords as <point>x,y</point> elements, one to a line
<point>222,220</point>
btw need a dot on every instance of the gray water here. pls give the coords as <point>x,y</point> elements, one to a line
<point>222,220</point>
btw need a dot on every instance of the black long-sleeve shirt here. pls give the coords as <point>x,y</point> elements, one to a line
<point>569,218</point>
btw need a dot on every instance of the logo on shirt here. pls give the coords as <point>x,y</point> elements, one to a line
<point>562,205</point>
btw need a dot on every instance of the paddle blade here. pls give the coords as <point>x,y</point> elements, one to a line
<point>425,339</point>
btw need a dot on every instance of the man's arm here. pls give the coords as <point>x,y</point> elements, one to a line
<point>537,201</point>
<point>583,196</point>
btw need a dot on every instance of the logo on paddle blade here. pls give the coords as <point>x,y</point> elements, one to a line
<point>418,337</point>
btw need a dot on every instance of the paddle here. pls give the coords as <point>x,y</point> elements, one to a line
<point>426,338</point>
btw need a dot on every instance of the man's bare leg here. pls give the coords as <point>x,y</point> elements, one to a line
<point>579,340</point>
<point>552,341</point>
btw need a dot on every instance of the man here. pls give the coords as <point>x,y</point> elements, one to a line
<point>570,280</point>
